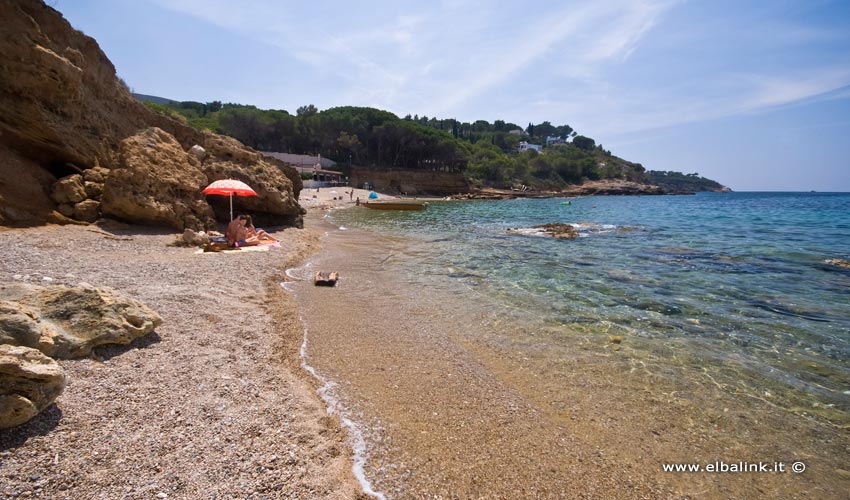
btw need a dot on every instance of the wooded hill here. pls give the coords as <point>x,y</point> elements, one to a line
<point>484,152</point>
<point>678,182</point>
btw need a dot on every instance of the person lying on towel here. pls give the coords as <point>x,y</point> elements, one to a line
<point>260,234</point>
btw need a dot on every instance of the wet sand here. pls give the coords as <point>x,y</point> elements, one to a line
<point>457,402</point>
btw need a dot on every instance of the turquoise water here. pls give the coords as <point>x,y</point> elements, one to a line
<point>735,281</point>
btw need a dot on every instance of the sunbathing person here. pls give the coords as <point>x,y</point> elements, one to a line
<point>261,234</point>
<point>237,234</point>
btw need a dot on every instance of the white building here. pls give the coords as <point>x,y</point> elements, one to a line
<point>524,146</point>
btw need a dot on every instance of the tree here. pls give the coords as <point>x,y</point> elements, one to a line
<point>308,110</point>
<point>349,142</point>
<point>544,130</point>
<point>585,143</point>
<point>563,131</point>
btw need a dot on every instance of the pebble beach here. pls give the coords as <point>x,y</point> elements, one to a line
<point>213,404</point>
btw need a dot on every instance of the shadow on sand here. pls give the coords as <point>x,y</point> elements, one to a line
<point>109,351</point>
<point>40,425</point>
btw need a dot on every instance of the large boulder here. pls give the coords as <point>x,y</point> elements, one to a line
<point>68,322</point>
<point>29,383</point>
<point>87,211</point>
<point>68,189</point>
<point>156,182</point>
<point>277,199</point>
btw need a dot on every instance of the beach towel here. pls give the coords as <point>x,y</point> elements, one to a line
<point>257,248</point>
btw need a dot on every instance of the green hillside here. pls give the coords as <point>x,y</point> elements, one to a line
<point>486,153</point>
<point>678,182</point>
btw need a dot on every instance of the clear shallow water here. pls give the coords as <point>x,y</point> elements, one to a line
<point>733,281</point>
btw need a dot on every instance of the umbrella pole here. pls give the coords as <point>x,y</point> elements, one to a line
<point>231,207</point>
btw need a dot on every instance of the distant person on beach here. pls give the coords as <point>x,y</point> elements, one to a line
<point>237,234</point>
<point>351,195</point>
<point>258,233</point>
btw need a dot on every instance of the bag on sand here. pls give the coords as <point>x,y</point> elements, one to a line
<point>218,244</point>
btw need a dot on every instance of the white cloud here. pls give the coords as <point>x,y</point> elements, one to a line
<point>771,91</point>
<point>564,62</point>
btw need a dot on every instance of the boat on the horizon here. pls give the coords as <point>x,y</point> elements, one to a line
<point>394,205</point>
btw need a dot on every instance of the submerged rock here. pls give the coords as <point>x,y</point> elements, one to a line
<point>68,322</point>
<point>557,230</point>
<point>29,383</point>
<point>838,263</point>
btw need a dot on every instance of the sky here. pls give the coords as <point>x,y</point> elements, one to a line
<point>753,94</point>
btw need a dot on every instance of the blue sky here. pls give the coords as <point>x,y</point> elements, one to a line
<point>753,94</point>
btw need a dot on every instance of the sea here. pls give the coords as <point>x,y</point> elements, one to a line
<point>725,276</point>
<point>740,288</point>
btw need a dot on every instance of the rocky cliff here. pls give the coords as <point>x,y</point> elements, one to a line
<point>65,114</point>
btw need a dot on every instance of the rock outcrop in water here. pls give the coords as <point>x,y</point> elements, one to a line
<point>556,230</point>
<point>612,187</point>
<point>838,263</point>
<point>64,113</point>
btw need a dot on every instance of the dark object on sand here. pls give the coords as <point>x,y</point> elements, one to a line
<point>217,245</point>
<point>326,278</point>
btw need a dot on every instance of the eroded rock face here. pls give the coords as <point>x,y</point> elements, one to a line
<point>29,383</point>
<point>68,322</point>
<point>157,182</point>
<point>60,104</point>
<point>64,111</point>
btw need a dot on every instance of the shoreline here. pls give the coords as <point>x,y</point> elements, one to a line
<point>443,411</point>
<point>468,405</point>
<point>214,402</point>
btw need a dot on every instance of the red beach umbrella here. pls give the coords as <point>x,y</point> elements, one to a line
<point>230,187</point>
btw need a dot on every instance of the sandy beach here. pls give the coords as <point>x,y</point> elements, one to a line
<point>213,404</point>
<point>335,197</point>
<point>344,196</point>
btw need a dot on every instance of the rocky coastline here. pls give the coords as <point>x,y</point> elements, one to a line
<point>589,188</point>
